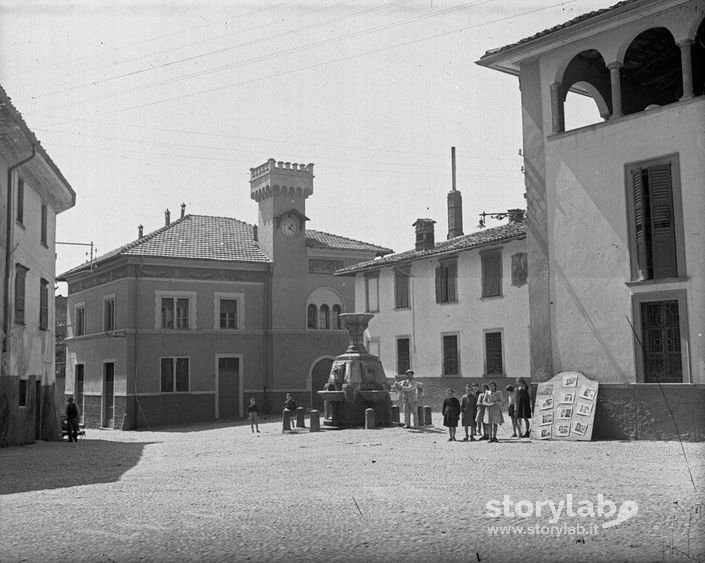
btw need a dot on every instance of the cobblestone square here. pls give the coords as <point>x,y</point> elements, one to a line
<point>218,492</point>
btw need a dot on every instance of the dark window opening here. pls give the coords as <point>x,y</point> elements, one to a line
<point>403,355</point>
<point>651,72</point>
<point>493,353</point>
<point>661,338</point>
<point>451,363</point>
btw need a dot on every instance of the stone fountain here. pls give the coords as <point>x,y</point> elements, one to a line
<point>356,382</point>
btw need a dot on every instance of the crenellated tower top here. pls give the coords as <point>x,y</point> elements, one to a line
<point>281,178</point>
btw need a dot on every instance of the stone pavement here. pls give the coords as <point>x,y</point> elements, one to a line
<point>218,492</point>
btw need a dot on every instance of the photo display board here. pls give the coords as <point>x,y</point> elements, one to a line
<point>565,408</point>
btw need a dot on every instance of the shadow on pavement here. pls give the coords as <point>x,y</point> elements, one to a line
<point>55,465</point>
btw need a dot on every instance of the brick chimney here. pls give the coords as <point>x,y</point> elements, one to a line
<point>183,210</point>
<point>424,234</point>
<point>455,205</point>
<point>167,218</point>
<point>140,231</point>
<point>516,215</point>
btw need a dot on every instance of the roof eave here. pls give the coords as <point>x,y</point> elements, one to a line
<point>509,59</point>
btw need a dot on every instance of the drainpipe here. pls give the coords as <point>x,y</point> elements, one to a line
<point>8,259</point>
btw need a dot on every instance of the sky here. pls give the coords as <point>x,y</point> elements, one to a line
<point>144,105</point>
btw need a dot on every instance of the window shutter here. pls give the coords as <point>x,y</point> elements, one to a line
<point>491,275</point>
<point>639,224</point>
<point>452,277</point>
<point>662,228</point>
<point>438,285</point>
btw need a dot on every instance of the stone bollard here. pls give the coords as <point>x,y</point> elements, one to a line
<point>286,420</point>
<point>420,418</point>
<point>300,420</point>
<point>315,421</point>
<point>369,419</point>
<point>427,420</point>
<point>395,414</point>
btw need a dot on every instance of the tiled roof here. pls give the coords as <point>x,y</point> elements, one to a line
<point>198,237</point>
<point>553,29</point>
<point>464,242</point>
<point>318,239</point>
<point>223,239</point>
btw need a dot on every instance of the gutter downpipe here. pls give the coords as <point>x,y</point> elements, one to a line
<point>8,260</point>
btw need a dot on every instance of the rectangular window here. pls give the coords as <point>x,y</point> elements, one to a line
<point>109,313</point>
<point>372,292</point>
<point>446,281</point>
<point>403,355</point>
<point>491,273</point>
<point>20,200</point>
<point>175,312</point>
<point>401,288</point>
<point>43,230</point>
<point>20,293</point>
<point>23,393</point>
<point>493,354</point>
<point>451,360</point>
<point>228,313</point>
<point>43,304</point>
<point>655,220</point>
<point>174,375</point>
<point>80,320</point>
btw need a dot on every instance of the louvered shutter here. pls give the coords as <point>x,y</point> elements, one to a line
<point>452,277</point>
<point>491,280</point>
<point>662,228</point>
<point>438,285</point>
<point>639,224</point>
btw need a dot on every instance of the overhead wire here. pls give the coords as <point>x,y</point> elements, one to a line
<point>313,66</point>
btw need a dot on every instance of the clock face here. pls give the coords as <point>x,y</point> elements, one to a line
<point>289,226</point>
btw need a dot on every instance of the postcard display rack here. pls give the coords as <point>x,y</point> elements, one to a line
<point>565,408</point>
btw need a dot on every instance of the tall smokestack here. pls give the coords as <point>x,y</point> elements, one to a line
<point>455,205</point>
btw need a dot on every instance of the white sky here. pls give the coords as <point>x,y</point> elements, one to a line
<point>145,105</point>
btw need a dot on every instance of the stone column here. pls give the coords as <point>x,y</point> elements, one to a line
<point>687,68</point>
<point>616,83</point>
<point>557,111</point>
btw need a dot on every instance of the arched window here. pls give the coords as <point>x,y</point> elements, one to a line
<point>651,72</point>
<point>312,317</point>
<point>324,318</point>
<point>335,318</point>
<point>585,90</point>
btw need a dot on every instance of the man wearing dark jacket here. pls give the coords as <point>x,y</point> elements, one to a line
<point>72,416</point>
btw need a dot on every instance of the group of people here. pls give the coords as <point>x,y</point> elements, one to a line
<point>481,411</point>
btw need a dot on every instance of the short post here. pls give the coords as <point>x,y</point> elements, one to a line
<point>300,420</point>
<point>315,421</point>
<point>395,414</point>
<point>427,420</point>
<point>369,419</point>
<point>419,415</point>
<point>286,420</point>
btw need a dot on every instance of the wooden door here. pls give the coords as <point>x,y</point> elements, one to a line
<point>109,395</point>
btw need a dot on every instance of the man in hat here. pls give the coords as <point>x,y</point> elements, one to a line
<point>410,394</point>
<point>72,420</point>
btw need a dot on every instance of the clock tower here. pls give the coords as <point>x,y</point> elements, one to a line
<point>281,189</point>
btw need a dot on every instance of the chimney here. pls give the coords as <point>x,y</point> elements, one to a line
<point>424,234</point>
<point>140,231</point>
<point>255,233</point>
<point>183,210</point>
<point>167,218</point>
<point>455,205</point>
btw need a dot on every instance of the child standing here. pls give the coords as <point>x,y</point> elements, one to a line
<point>252,414</point>
<point>512,411</point>
<point>493,411</point>
<point>480,418</point>
<point>451,413</point>
<point>468,408</point>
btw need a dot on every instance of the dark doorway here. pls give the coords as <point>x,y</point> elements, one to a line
<point>108,395</point>
<point>228,387</point>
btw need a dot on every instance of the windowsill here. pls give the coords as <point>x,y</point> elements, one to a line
<point>659,281</point>
<point>402,308</point>
<point>491,297</point>
<point>446,302</point>
<point>451,375</point>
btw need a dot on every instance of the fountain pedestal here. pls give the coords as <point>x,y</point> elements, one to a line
<point>356,382</point>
